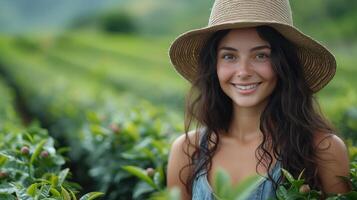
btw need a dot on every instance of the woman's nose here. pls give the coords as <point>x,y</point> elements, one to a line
<point>244,69</point>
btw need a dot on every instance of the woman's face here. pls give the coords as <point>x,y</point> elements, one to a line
<point>244,68</point>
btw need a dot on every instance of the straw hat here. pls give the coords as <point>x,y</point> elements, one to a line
<point>318,63</point>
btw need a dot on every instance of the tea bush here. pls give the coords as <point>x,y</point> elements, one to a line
<point>103,135</point>
<point>131,58</point>
<point>30,165</point>
<point>296,189</point>
<point>348,125</point>
<point>117,21</point>
<point>31,168</point>
<point>126,145</point>
<point>7,110</point>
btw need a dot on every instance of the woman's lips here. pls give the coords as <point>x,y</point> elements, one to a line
<point>246,88</point>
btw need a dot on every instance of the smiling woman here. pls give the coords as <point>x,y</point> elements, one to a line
<point>253,78</point>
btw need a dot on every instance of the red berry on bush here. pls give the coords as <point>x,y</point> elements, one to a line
<point>3,175</point>
<point>150,171</point>
<point>115,128</point>
<point>25,150</point>
<point>304,189</point>
<point>44,154</point>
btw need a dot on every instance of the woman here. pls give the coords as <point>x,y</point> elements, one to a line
<point>253,77</point>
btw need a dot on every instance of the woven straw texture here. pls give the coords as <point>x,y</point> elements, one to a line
<point>318,63</point>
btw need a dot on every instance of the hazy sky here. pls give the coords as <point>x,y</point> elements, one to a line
<point>32,15</point>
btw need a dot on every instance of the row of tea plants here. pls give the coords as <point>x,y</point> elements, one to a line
<point>104,130</point>
<point>30,165</point>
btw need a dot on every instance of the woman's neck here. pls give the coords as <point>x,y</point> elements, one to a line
<point>245,124</point>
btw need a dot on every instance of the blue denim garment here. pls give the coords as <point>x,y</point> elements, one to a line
<point>201,189</point>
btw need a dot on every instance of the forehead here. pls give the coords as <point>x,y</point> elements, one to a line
<point>242,37</point>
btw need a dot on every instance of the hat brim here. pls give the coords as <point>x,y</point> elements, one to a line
<point>318,62</point>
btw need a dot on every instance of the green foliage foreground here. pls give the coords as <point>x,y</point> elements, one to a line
<point>103,134</point>
<point>31,168</point>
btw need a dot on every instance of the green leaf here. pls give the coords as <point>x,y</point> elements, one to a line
<point>73,195</point>
<point>91,196</point>
<point>18,167</point>
<point>54,180</point>
<point>288,176</point>
<point>351,195</point>
<point>141,188</point>
<point>21,193</point>
<point>37,151</point>
<point>298,183</point>
<point>171,194</point>
<point>300,175</point>
<point>44,191</point>
<point>245,188</point>
<point>62,176</point>
<point>55,192</point>
<point>50,199</point>
<point>175,194</point>
<point>281,193</point>
<point>7,197</point>
<point>9,156</point>
<point>7,188</point>
<point>29,137</point>
<point>63,150</point>
<point>3,159</point>
<point>222,185</point>
<point>159,177</point>
<point>141,174</point>
<point>32,190</point>
<point>65,194</point>
<point>131,130</point>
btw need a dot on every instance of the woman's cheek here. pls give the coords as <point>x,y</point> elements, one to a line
<point>224,72</point>
<point>266,71</point>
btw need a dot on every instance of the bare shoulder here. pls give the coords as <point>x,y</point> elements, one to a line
<point>184,146</point>
<point>185,141</point>
<point>181,150</point>
<point>333,161</point>
<point>329,146</point>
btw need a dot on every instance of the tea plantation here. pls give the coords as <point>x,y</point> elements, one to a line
<point>100,111</point>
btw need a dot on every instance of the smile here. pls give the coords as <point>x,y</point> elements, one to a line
<point>245,89</point>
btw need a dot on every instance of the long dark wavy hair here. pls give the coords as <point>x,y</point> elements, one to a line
<point>292,115</point>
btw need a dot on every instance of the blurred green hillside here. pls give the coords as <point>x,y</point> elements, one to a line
<point>327,20</point>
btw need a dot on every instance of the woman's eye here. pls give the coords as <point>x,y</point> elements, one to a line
<point>262,56</point>
<point>228,57</point>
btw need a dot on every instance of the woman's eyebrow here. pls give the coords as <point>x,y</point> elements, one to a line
<point>260,47</point>
<point>227,48</point>
<point>252,49</point>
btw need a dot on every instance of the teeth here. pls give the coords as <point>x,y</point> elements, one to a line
<point>246,87</point>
